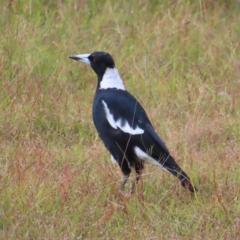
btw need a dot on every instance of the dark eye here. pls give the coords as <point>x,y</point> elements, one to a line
<point>93,58</point>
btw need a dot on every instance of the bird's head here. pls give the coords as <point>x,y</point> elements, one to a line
<point>103,65</point>
<point>99,61</point>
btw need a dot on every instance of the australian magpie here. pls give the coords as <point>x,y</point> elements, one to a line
<point>124,126</point>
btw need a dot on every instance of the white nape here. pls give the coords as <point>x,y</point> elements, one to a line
<point>111,79</point>
<point>146,158</point>
<point>123,125</point>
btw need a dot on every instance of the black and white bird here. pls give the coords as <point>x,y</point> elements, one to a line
<point>124,126</point>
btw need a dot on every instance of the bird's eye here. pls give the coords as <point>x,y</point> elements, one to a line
<point>94,60</point>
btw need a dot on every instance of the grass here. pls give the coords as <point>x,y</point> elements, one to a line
<point>179,58</point>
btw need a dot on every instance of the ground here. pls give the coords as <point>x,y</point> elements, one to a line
<point>179,58</point>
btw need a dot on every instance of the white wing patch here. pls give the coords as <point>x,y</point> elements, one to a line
<point>128,129</point>
<point>123,125</point>
<point>146,158</point>
<point>111,79</point>
<point>109,116</point>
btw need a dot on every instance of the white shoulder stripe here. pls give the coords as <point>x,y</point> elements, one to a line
<point>127,128</point>
<point>146,158</point>
<point>123,125</point>
<point>109,116</point>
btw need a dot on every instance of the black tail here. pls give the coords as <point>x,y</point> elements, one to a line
<point>171,166</point>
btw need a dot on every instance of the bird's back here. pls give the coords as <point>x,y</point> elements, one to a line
<point>127,110</point>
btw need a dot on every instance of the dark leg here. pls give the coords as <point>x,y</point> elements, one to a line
<point>138,168</point>
<point>125,179</point>
<point>126,170</point>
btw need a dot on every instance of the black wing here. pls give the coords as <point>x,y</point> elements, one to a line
<point>123,116</point>
<point>123,125</point>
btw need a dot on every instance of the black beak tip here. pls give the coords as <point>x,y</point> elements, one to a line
<point>74,57</point>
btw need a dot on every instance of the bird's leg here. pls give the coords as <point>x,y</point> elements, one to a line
<point>138,169</point>
<point>135,182</point>
<point>125,179</point>
<point>126,170</point>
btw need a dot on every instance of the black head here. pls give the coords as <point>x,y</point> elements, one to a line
<point>99,61</point>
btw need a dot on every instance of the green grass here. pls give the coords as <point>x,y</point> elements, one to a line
<point>179,58</point>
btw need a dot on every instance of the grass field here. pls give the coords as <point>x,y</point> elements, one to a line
<point>179,58</point>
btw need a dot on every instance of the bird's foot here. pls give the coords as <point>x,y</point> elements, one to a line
<point>122,194</point>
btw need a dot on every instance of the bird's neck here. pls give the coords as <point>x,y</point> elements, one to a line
<point>111,79</point>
